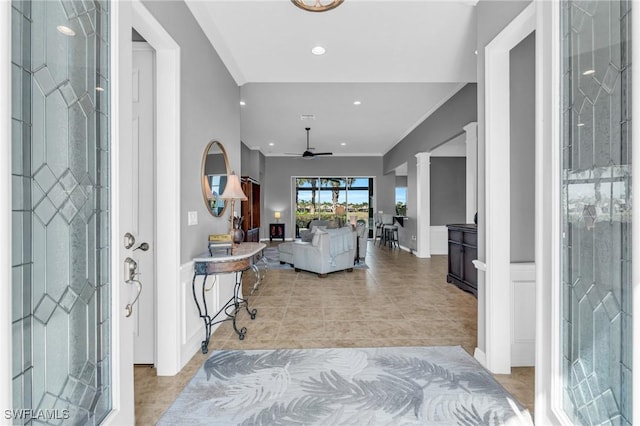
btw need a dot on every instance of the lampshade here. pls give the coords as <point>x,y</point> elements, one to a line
<point>233,189</point>
<point>277,215</point>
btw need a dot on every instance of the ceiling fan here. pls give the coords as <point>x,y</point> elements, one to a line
<point>309,154</point>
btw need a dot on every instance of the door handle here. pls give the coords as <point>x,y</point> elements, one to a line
<point>130,272</point>
<point>129,308</point>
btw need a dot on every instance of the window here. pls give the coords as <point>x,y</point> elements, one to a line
<point>401,200</point>
<point>344,199</point>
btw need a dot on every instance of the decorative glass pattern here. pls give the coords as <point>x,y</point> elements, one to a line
<point>60,239</point>
<point>596,211</point>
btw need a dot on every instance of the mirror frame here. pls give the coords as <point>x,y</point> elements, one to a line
<point>203,175</point>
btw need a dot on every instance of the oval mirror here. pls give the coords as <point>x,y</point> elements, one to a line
<point>215,168</point>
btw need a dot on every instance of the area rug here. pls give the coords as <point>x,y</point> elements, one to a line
<point>440,385</point>
<point>272,256</point>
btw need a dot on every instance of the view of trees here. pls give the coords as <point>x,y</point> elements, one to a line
<point>331,198</point>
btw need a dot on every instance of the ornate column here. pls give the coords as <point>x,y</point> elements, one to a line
<point>423,186</point>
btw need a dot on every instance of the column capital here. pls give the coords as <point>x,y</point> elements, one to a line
<point>471,128</point>
<point>423,157</point>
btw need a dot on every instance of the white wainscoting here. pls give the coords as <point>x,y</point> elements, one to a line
<point>191,325</point>
<point>523,314</point>
<point>439,240</point>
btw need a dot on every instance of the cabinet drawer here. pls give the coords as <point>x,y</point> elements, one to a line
<point>471,239</point>
<point>455,235</point>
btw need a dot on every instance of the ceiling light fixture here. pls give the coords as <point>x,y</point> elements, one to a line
<point>317,5</point>
<point>343,144</point>
<point>318,50</point>
<point>357,102</point>
<point>271,144</point>
<point>66,30</point>
<point>242,103</point>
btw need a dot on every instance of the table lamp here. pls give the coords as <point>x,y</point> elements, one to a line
<point>233,191</point>
<point>277,216</point>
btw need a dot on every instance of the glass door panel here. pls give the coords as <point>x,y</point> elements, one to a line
<point>60,168</point>
<point>343,199</point>
<point>596,212</point>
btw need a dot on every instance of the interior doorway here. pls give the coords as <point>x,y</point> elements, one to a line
<point>495,322</point>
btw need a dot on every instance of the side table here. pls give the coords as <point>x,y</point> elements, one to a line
<point>276,230</point>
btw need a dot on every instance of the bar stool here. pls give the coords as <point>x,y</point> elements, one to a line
<point>386,220</point>
<point>377,233</point>
<point>391,236</point>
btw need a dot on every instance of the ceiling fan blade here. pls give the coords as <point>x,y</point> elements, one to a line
<point>323,153</point>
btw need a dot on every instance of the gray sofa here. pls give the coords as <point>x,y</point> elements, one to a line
<point>330,250</point>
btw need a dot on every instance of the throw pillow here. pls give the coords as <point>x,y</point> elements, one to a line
<point>307,237</point>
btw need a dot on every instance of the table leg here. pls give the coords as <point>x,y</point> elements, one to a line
<point>230,309</point>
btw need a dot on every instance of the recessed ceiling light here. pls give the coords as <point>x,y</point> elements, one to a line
<point>242,103</point>
<point>589,72</point>
<point>99,89</point>
<point>318,50</point>
<point>66,30</point>
<point>580,124</point>
<point>343,143</point>
<point>271,144</point>
<point>475,52</point>
<point>357,102</point>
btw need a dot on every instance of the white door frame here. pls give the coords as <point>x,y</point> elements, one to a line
<point>497,184</point>
<point>124,15</point>
<point>167,105</point>
<point>548,382</point>
<point>6,382</point>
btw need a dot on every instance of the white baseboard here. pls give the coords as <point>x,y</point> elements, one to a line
<point>405,248</point>
<point>192,331</point>
<point>439,237</point>
<point>480,356</point>
<point>523,314</point>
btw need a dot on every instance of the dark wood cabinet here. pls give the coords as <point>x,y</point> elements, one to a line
<point>276,230</point>
<point>250,209</point>
<point>463,249</point>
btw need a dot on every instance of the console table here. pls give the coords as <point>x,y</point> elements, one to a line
<point>245,256</point>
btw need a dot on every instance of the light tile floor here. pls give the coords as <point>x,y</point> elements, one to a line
<point>400,300</point>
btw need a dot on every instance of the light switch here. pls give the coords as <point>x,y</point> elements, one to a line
<point>193,218</point>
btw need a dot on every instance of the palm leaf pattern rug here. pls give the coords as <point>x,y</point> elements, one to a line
<point>440,385</point>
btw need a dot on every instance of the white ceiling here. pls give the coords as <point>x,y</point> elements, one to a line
<point>401,59</point>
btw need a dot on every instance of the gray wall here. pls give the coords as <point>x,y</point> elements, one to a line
<point>522,98</point>
<point>252,163</point>
<point>445,123</point>
<point>493,17</point>
<point>277,186</point>
<point>448,190</point>
<point>210,109</point>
